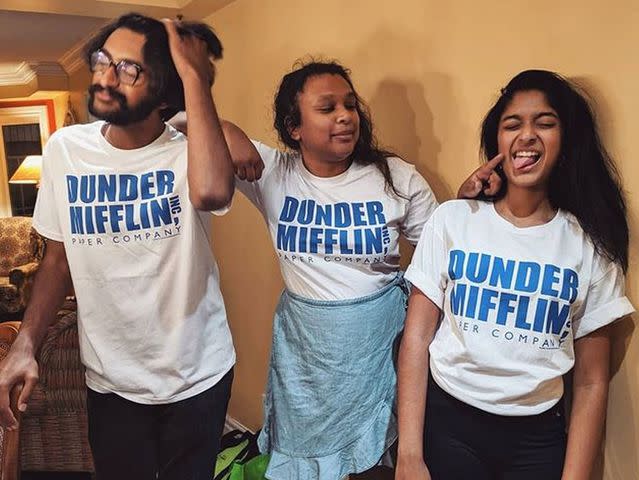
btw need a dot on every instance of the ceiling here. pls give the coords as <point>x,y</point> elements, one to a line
<point>42,39</point>
<point>25,32</point>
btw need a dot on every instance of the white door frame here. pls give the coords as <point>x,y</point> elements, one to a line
<point>18,116</point>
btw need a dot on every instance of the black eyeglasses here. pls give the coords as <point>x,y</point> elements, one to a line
<point>127,71</point>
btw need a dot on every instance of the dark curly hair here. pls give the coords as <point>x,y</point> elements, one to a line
<point>164,81</point>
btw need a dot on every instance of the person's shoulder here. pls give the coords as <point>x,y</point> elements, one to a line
<point>569,227</point>
<point>406,174</point>
<point>274,158</point>
<point>569,220</point>
<point>72,132</point>
<point>400,166</point>
<point>173,134</point>
<point>266,151</point>
<point>461,207</point>
<point>173,140</point>
<point>398,162</point>
<point>74,136</point>
<point>575,238</point>
<point>454,214</point>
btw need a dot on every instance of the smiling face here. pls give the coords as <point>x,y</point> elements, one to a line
<point>111,99</point>
<point>329,122</point>
<point>529,136</point>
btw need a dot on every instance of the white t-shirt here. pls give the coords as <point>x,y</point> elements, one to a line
<point>151,318</point>
<point>513,302</point>
<point>338,237</point>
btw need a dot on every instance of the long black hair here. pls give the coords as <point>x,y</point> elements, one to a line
<point>287,116</point>
<point>164,82</point>
<point>585,181</point>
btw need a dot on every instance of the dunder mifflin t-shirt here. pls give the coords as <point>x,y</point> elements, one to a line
<point>151,318</point>
<point>513,302</point>
<point>337,237</point>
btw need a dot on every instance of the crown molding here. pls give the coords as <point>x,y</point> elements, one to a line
<point>25,72</point>
<point>16,74</point>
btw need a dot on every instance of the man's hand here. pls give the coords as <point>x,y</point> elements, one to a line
<point>483,180</point>
<point>190,54</point>
<point>18,369</point>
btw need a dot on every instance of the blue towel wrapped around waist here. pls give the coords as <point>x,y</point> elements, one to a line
<point>331,387</point>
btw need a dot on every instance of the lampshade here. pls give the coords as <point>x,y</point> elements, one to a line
<point>28,171</point>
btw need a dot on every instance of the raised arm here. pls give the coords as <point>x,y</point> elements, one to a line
<point>19,368</point>
<point>247,163</point>
<point>210,170</point>
<point>246,159</point>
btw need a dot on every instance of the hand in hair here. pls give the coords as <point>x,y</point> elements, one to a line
<point>484,181</point>
<point>190,53</point>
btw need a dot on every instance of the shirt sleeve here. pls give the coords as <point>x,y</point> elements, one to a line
<point>422,203</point>
<point>605,300</point>
<point>46,218</point>
<point>427,270</point>
<point>255,191</point>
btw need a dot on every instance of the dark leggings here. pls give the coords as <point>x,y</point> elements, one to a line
<point>175,441</point>
<point>462,442</point>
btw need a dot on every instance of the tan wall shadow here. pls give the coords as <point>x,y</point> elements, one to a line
<point>404,123</point>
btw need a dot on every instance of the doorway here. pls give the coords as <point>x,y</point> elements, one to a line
<point>23,131</point>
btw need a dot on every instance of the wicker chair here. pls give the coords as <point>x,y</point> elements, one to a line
<point>53,431</point>
<point>21,250</point>
<point>9,441</point>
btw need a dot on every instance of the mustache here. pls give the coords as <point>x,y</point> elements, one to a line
<point>121,99</point>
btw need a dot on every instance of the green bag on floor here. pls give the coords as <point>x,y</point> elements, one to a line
<point>235,446</point>
<point>226,458</point>
<point>253,469</point>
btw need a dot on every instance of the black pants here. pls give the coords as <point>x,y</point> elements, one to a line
<point>175,441</point>
<point>462,442</point>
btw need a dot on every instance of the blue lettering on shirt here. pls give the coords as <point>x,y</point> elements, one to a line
<point>522,295</point>
<point>100,204</point>
<point>305,226</point>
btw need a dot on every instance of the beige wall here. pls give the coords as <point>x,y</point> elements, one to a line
<point>429,70</point>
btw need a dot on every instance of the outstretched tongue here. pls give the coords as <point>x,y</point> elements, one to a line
<point>521,162</point>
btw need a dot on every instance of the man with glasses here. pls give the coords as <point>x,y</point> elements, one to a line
<point>125,205</point>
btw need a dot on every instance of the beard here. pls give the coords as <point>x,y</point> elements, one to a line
<point>124,115</point>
